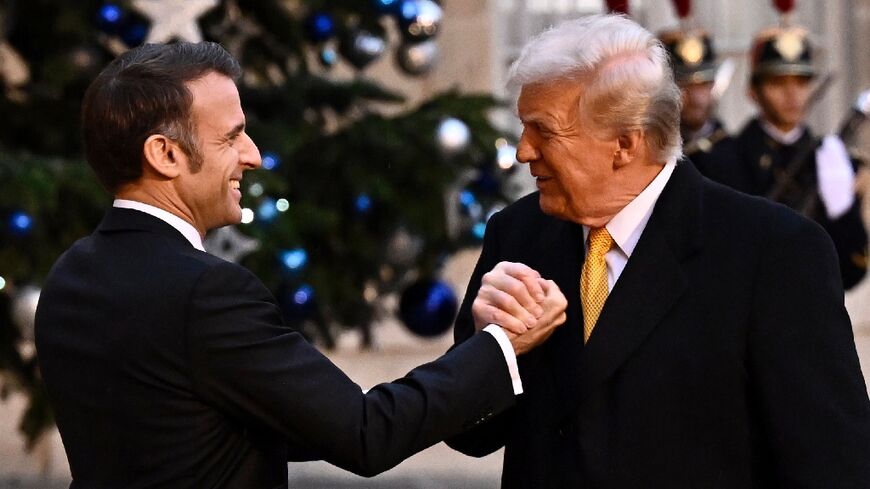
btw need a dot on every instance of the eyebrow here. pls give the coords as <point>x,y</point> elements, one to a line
<point>535,118</point>
<point>235,131</point>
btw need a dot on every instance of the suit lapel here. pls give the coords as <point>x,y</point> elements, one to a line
<point>649,286</point>
<point>560,257</point>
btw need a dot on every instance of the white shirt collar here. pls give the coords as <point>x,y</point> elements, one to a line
<point>628,224</point>
<point>185,228</point>
<point>786,138</point>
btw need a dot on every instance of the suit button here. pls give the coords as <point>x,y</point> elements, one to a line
<point>561,432</point>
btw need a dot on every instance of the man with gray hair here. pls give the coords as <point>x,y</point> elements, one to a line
<point>706,342</point>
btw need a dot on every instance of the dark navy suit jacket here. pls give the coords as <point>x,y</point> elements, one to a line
<point>168,367</point>
<point>723,357</point>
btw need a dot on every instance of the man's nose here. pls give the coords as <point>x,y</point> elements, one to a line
<point>250,154</point>
<point>526,151</point>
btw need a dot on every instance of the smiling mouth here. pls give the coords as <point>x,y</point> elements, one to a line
<point>236,184</point>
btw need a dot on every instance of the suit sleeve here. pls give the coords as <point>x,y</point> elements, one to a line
<point>487,437</point>
<point>249,365</point>
<point>806,383</point>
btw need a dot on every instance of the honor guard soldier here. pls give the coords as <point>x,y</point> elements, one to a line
<point>706,143</point>
<point>779,158</point>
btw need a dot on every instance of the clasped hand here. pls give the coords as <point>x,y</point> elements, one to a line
<point>517,298</point>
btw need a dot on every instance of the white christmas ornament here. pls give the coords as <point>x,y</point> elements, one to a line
<point>229,244</point>
<point>453,135</point>
<point>174,19</point>
<point>506,156</point>
<point>24,310</point>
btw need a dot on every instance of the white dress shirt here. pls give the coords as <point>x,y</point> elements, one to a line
<point>628,224</point>
<point>189,232</point>
<point>183,227</point>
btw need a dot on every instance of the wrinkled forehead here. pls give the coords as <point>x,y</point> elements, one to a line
<point>548,96</point>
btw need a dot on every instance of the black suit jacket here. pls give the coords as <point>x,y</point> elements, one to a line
<point>723,357</point>
<point>168,367</point>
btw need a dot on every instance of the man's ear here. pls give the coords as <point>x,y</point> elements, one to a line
<point>163,156</point>
<point>629,145</point>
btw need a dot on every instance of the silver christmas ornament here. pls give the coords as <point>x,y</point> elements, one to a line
<point>404,248</point>
<point>229,244</point>
<point>417,58</point>
<point>453,135</point>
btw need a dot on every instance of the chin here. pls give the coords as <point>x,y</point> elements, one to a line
<point>551,207</point>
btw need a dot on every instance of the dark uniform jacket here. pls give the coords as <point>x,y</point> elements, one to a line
<point>761,162</point>
<point>709,152</point>
<point>723,357</point>
<point>170,368</point>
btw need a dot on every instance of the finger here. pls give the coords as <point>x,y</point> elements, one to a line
<point>533,287</point>
<point>555,297</point>
<point>507,303</point>
<point>495,315</point>
<point>528,276</point>
<point>554,305</point>
<point>516,289</point>
<point>517,270</point>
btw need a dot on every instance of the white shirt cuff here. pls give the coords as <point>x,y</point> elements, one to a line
<point>509,355</point>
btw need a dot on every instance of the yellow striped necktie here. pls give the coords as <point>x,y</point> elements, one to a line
<point>593,279</point>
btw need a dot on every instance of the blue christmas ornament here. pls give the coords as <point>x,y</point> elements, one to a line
<point>268,210</point>
<point>320,26</point>
<point>303,295</point>
<point>294,260</point>
<point>270,161</point>
<point>110,18</point>
<point>20,223</point>
<point>388,6</point>
<point>408,10</point>
<point>428,307</point>
<point>479,230</point>
<point>328,57</point>
<point>363,203</point>
<point>297,303</point>
<point>361,46</point>
<point>486,182</point>
<point>134,33</point>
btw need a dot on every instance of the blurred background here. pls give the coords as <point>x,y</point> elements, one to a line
<point>387,139</point>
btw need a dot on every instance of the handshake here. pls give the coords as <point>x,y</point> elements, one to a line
<point>519,300</point>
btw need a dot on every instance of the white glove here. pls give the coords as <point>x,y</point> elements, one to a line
<point>836,176</point>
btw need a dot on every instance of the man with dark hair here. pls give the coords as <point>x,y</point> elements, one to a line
<point>778,157</point>
<point>168,367</point>
<point>706,143</point>
<point>706,343</point>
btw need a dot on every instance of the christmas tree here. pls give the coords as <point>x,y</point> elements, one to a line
<point>353,204</point>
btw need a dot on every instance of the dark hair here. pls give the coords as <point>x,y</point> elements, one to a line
<point>141,93</point>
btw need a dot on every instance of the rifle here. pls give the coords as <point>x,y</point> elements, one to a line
<point>848,129</point>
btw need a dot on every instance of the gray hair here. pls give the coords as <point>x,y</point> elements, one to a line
<point>629,84</point>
